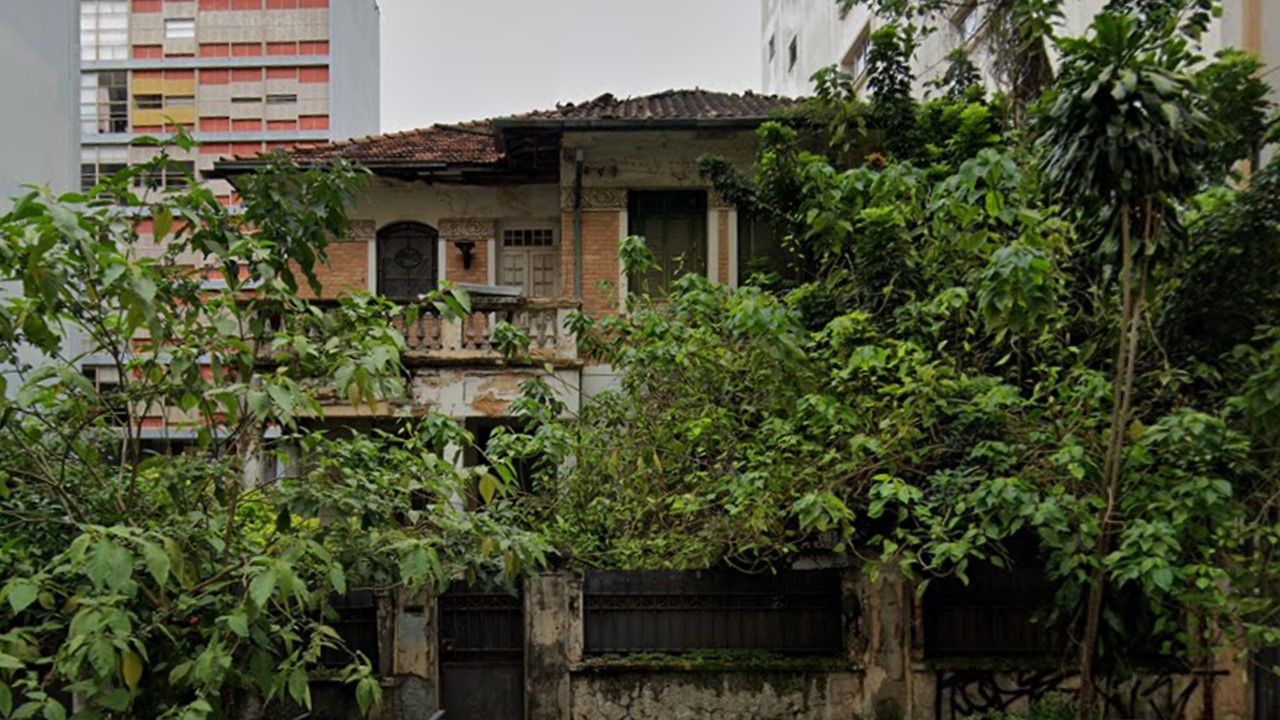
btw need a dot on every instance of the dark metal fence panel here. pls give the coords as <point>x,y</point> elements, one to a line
<point>993,616</point>
<point>481,654</point>
<point>797,612</point>
<point>357,624</point>
<point>1266,686</point>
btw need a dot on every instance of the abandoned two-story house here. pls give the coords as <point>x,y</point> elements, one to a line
<point>528,212</point>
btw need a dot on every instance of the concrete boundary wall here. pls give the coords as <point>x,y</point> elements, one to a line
<point>881,676</point>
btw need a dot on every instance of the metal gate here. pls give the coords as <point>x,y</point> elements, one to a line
<point>1266,686</point>
<point>481,655</point>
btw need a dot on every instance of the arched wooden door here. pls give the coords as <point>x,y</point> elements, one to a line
<point>407,260</point>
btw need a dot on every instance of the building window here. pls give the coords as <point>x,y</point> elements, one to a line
<point>104,102</point>
<point>792,54</point>
<point>967,22</point>
<point>407,255</point>
<point>855,61</point>
<point>180,101</point>
<point>148,102</point>
<point>674,226</point>
<point>98,164</point>
<point>179,28</point>
<point>282,99</point>
<point>773,47</point>
<point>530,259</point>
<point>104,29</point>
<point>174,175</point>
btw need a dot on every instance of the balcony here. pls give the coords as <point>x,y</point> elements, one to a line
<point>432,339</point>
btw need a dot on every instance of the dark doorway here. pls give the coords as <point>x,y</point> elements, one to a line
<point>481,654</point>
<point>407,254</point>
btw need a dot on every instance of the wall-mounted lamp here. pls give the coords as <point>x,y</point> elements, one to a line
<point>467,248</point>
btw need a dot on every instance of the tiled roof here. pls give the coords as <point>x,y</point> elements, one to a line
<point>474,143</point>
<point>669,105</point>
<point>470,144</point>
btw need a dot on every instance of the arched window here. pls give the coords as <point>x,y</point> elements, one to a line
<point>407,253</point>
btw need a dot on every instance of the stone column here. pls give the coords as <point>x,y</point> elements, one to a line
<point>553,643</point>
<point>885,642</point>
<point>413,661</point>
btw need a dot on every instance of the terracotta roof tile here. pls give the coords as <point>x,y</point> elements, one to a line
<point>694,104</point>
<point>474,143</point>
<point>468,144</point>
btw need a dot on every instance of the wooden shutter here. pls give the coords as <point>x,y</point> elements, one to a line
<point>674,226</point>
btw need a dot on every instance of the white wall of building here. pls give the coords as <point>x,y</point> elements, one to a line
<point>824,37</point>
<point>822,34</point>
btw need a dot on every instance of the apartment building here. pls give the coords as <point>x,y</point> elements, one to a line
<point>244,76</point>
<point>800,37</point>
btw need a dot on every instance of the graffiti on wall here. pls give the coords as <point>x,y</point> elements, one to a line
<point>962,694</point>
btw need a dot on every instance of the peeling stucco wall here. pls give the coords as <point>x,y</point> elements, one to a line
<point>748,695</point>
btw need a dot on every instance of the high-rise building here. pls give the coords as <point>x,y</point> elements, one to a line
<point>243,76</point>
<point>800,37</point>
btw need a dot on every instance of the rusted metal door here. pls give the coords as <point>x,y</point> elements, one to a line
<point>481,655</point>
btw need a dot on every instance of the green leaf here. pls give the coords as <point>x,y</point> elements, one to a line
<point>238,623</point>
<point>299,690</point>
<point>21,594</point>
<point>338,579</point>
<point>262,586</point>
<point>131,670</point>
<point>368,694</point>
<point>6,700</point>
<point>9,662</point>
<point>489,487</point>
<point>163,221</point>
<point>157,562</point>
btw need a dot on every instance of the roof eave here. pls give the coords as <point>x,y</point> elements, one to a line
<point>230,168</point>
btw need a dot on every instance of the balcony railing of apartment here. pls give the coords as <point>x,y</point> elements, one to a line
<point>471,339</point>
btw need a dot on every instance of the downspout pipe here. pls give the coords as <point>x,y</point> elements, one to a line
<point>579,160</point>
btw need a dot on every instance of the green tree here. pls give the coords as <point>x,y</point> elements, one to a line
<point>1123,137</point>
<point>183,584</point>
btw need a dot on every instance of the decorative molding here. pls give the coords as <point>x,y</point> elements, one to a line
<point>362,231</point>
<point>595,199</point>
<point>468,229</point>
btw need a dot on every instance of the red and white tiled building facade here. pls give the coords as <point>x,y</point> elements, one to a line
<point>243,76</point>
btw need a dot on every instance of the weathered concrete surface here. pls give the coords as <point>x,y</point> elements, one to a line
<point>747,695</point>
<point>552,615</point>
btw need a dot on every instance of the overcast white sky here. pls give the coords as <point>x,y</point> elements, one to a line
<point>453,60</point>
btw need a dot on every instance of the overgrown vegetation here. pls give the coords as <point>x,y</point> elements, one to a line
<point>1044,316</point>
<point>1006,329</point>
<point>170,582</point>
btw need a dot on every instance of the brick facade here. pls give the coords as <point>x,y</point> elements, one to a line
<point>722,243</point>
<point>454,271</point>
<point>600,231</point>
<point>347,270</point>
